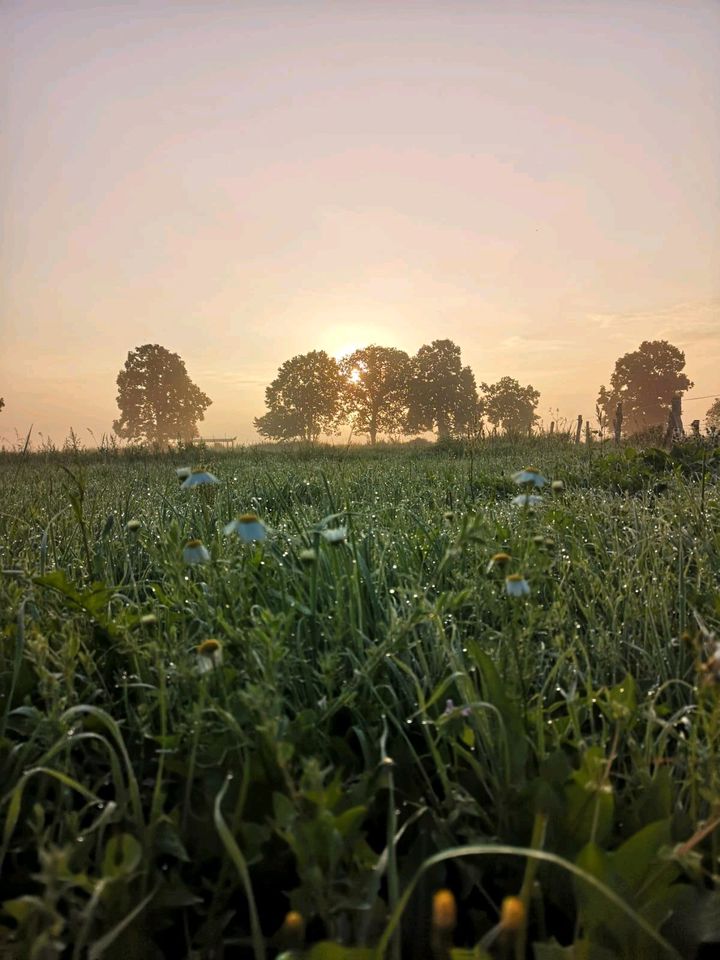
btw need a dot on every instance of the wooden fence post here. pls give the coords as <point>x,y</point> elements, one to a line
<point>669,429</point>
<point>676,409</point>
<point>578,432</point>
<point>617,424</point>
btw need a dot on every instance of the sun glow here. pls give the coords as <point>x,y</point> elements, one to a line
<point>347,349</point>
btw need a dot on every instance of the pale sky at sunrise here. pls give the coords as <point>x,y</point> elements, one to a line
<point>241,182</point>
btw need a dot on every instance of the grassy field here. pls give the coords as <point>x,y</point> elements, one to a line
<point>387,748</point>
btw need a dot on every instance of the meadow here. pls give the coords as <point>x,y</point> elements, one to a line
<point>416,719</point>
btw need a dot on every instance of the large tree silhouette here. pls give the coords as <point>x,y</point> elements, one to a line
<point>304,399</point>
<point>645,382</point>
<point>442,393</point>
<point>509,406</point>
<point>376,389</point>
<point>157,399</point>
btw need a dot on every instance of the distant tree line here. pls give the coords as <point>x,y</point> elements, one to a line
<point>384,391</point>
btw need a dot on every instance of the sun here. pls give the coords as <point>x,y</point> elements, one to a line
<point>345,351</point>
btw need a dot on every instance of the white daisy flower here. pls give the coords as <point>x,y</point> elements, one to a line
<point>530,475</point>
<point>209,655</point>
<point>335,535</point>
<point>501,559</point>
<point>526,500</point>
<point>195,551</point>
<point>517,586</point>
<point>196,478</point>
<point>248,527</point>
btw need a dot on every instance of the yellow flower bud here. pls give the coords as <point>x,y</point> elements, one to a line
<point>294,922</point>
<point>444,911</point>
<point>512,914</point>
<point>292,932</point>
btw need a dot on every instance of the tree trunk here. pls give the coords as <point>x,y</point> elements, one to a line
<point>443,427</point>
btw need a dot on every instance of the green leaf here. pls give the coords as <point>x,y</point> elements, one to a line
<point>591,902</point>
<point>174,894</point>
<point>283,810</point>
<point>346,822</point>
<point>21,909</point>
<point>168,841</point>
<point>656,800</point>
<point>632,861</point>
<point>122,856</point>
<point>620,702</point>
<point>590,800</point>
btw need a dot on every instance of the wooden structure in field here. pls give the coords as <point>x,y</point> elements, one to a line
<point>675,429</point>
<point>228,442</point>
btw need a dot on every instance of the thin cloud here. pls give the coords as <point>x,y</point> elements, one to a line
<point>534,344</point>
<point>685,323</point>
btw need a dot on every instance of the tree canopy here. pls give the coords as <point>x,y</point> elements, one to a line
<point>442,393</point>
<point>304,400</point>
<point>375,383</point>
<point>382,390</point>
<point>712,417</point>
<point>157,399</point>
<point>645,381</point>
<point>509,406</point>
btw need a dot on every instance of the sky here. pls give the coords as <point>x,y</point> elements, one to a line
<point>242,182</point>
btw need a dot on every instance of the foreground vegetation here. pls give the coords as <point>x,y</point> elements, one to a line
<point>387,748</point>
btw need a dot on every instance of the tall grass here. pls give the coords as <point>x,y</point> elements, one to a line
<point>380,702</point>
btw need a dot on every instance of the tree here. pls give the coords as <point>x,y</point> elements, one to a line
<point>2,403</point>
<point>442,393</point>
<point>712,417</point>
<point>158,401</point>
<point>509,406</point>
<point>304,399</point>
<point>376,389</point>
<point>645,381</point>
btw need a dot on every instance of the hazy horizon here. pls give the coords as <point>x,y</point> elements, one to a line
<point>244,182</point>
